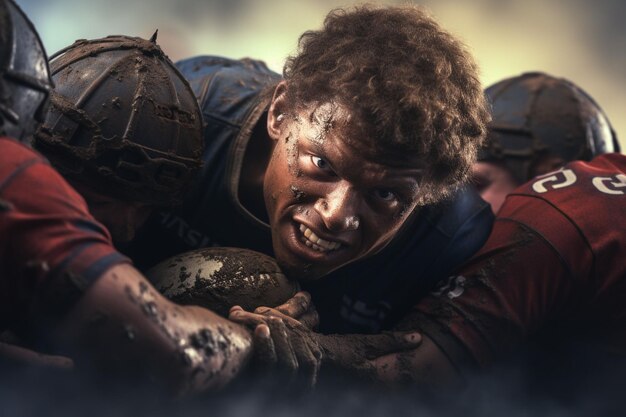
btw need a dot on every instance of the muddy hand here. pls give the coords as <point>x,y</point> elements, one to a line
<point>298,308</point>
<point>282,344</point>
<point>357,353</point>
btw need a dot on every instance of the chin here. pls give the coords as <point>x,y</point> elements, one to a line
<point>301,262</point>
<point>301,272</point>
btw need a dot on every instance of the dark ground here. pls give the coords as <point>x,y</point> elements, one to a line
<point>575,383</point>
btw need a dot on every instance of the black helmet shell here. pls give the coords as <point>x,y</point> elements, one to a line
<point>122,119</point>
<point>536,114</point>
<point>24,75</point>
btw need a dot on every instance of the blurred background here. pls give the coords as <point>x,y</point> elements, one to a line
<point>582,40</point>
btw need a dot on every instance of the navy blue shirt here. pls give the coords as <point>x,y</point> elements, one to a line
<point>365,296</point>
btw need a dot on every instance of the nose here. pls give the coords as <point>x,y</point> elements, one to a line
<point>339,208</point>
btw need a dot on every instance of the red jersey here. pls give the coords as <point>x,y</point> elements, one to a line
<point>555,260</point>
<point>46,232</point>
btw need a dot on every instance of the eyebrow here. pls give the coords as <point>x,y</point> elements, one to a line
<point>318,144</point>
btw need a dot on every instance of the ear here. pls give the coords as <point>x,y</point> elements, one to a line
<point>277,113</point>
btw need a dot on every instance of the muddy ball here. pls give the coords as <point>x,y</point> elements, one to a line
<point>219,278</point>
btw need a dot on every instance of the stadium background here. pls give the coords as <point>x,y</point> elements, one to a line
<point>578,39</point>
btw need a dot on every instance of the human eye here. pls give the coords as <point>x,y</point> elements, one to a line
<point>321,163</point>
<point>385,195</point>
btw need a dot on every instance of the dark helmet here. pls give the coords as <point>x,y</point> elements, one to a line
<point>24,75</point>
<point>535,115</point>
<point>122,120</point>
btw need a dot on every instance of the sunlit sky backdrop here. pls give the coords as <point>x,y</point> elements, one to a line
<point>582,40</point>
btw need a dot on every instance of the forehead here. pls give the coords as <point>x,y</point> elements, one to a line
<point>334,132</point>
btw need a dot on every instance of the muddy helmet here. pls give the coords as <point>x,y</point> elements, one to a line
<point>535,115</point>
<point>122,120</point>
<point>24,75</point>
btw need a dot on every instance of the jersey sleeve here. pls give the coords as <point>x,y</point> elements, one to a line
<point>498,299</point>
<point>47,235</point>
<point>554,264</point>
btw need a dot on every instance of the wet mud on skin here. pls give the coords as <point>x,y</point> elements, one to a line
<point>196,349</point>
<point>297,193</point>
<point>219,278</point>
<point>323,118</point>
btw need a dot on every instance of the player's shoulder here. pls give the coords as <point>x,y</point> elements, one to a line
<point>227,89</point>
<point>15,151</point>
<point>211,76</point>
<point>578,208</point>
<point>15,157</point>
<point>208,65</point>
<point>580,183</point>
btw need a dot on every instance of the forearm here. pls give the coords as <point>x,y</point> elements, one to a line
<point>15,355</point>
<point>425,366</point>
<point>123,323</point>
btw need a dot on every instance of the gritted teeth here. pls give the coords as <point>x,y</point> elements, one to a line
<point>315,242</point>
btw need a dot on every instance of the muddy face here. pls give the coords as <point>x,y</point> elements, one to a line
<point>331,196</point>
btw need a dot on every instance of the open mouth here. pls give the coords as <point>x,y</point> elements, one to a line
<point>316,243</point>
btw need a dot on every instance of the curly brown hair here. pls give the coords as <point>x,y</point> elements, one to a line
<point>409,82</point>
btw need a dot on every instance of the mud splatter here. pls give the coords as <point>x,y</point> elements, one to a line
<point>203,340</point>
<point>218,278</point>
<point>297,193</point>
<point>150,308</point>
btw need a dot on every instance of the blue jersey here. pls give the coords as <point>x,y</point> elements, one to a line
<point>365,296</point>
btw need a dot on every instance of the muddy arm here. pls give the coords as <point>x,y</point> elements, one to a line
<point>425,366</point>
<point>122,323</point>
<point>396,357</point>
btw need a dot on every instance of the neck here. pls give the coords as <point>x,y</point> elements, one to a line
<point>255,160</point>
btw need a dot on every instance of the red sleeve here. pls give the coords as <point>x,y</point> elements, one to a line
<point>500,297</point>
<point>554,261</point>
<point>46,231</point>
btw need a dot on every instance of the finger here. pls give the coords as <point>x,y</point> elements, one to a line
<point>264,350</point>
<point>246,318</point>
<point>310,319</point>
<point>272,312</point>
<point>286,358</point>
<point>20,355</point>
<point>374,346</point>
<point>296,305</point>
<point>308,363</point>
<point>235,308</point>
